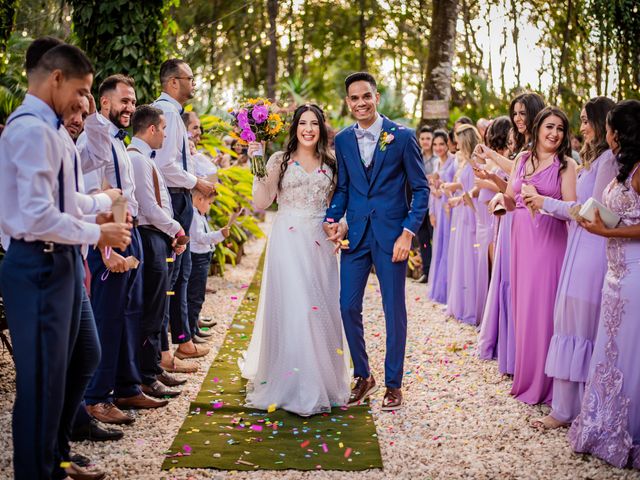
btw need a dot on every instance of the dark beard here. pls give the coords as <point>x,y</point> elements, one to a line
<point>115,119</point>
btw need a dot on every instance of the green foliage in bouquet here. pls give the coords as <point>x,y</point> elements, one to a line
<point>234,192</point>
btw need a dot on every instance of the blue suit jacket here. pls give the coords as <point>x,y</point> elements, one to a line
<point>383,201</point>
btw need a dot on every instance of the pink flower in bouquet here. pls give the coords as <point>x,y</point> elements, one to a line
<point>260,113</point>
<point>243,119</point>
<point>247,135</point>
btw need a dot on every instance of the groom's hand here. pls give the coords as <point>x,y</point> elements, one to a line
<point>402,246</point>
<point>330,228</point>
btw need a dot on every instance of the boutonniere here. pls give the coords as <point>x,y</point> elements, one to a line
<point>386,138</point>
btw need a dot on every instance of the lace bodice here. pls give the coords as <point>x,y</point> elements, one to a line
<point>301,191</point>
<point>623,200</point>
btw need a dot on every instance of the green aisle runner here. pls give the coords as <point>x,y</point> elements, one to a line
<point>219,432</point>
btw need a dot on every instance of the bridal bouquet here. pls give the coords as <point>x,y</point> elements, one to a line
<point>256,119</point>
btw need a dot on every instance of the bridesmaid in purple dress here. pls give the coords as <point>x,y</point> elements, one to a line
<point>608,425</point>
<point>577,307</point>
<point>440,219</point>
<point>462,256</point>
<point>497,336</point>
<point>538,243</point>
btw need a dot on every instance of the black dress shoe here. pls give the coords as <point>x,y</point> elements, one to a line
<point>80,460</point>
<point>94,432</point>
<point>158,390</point>
<point>170,380</point>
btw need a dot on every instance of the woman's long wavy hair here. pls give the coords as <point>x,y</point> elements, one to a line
<point>467,137</point>
<point>596,109</point>
<point>624,120</point>
<point>533,103</point>
<point>322,147</point>
<point>497,135</point>
<point>564,149</point>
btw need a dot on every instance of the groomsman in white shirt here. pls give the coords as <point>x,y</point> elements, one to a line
<point>41,275</point>
<point>160,234</point>
<point>175,163</point>
<point>116,287</point>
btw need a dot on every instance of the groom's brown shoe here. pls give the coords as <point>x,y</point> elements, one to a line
<point>361,390</point>
<point>392,399</point>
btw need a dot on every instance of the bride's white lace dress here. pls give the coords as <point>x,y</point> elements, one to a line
<point>298,359</point>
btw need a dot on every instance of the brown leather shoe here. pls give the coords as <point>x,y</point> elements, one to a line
<point>392,399</point>
<point>170,380</point>
<point>179,366</point>
<point>140,401</point>
<point>78,473</point>
<point>109,413</point>
<point>197,352</point>
<point>159,390</point>
<point>361,390</point>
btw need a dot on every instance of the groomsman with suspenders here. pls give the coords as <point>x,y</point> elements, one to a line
<point>116,287</point>
<point>160,234</point>
<point>41,275</point>
<point>175,163</point>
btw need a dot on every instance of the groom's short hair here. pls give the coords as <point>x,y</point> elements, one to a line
<point>360,77</point>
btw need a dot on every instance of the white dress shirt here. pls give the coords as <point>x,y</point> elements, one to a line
<point>169,157</point>
<point>149,212</point>
<point>367,144</point>
<point>32,154</point>
<point>204,165</point>
<point>202,239</point>
<point>97,131</point>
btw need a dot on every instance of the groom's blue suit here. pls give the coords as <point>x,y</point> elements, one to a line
<point>375,202</point>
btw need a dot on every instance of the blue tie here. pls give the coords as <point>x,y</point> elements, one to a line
<point>121,135</point>
<point>153,154</point>
<point>60,122</point>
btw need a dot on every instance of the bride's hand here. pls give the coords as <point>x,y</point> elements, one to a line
<point>253,148</point>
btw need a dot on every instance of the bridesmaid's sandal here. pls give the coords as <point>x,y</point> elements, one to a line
<point>548,423</point>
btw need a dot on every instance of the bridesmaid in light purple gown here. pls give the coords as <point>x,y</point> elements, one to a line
<point>608,425</point>
<point>577,306</point>
<point>538,244</point>
<point>441,220</point>
<point>462,256</point>
<point>497,304</point>
<point>497,337</point>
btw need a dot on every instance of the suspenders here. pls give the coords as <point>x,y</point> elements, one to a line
<point>117,165</point>
<point>156,182</point>
<point>184,147</point>
<point>60,172</point>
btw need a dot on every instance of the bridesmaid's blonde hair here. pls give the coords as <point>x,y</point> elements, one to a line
<point>467,137</point>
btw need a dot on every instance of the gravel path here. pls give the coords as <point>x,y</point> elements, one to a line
<point>459,420</point>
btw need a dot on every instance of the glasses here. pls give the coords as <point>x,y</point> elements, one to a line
<point>191,79</point>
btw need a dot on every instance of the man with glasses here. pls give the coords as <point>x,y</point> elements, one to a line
<point>176,165</point>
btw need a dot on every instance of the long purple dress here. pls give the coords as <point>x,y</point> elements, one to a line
<point>497,337</point>
<point>441,233</point>
<point>608,425</point>
<point>484,238</point>
<point>577,308</point>
<point>463,257</point>
<point>537,250</point>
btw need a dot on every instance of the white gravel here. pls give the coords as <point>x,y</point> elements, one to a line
<point>458,422</point>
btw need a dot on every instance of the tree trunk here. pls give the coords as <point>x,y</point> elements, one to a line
<point>563,50</point>
<point>516,37</point>
<point>8,12</point>
<point>363,37</point>
<point>272,54</point>
<point>291,60</point>
<point>437,89</point>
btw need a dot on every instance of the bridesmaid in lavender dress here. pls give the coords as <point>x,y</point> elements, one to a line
<point>577,307</point>
<point>462,256</point>
<point>441,220</point>
<point>538,243</point>
<point>498,337</point>
<point>608,425</point>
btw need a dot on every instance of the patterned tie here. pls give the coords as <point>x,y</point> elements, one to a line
<point>362,133</point>
<point>121,135</point>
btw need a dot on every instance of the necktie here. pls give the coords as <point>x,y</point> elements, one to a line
<point>181,111</point>
<point>362,133</point>
<point>153,154</point>
<point>121,135</point>
<point>60,122</point>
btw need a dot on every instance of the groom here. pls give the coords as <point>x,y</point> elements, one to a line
<point>377,158</point>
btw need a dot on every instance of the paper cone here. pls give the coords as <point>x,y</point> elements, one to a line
<point>119,209</point>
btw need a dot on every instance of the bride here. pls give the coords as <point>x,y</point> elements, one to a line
<point>297,359</point>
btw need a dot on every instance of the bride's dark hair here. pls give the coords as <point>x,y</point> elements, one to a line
<point>322,147</point>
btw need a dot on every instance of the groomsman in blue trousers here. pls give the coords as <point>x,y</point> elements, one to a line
<point>116,286</point>
<point>41,275</point>
<point>377,159</point>
<point>175,162</point>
